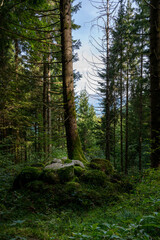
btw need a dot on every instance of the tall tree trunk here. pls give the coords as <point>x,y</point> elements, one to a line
<point>121,106</point>
<point>107,91</point>
<point>141,109</point>
<point>114,150</point>
<point>45,105</point>
<point>73,142</point>
<point>121,93</point>
<point>49,112</point>
<point>17,141</point>
<point>155,81</point>
<point>126,139</point>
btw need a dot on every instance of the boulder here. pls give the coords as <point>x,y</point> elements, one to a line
<point>63,172</point>
<point>78,163</point>
<point>102,165</point>
<point>95,177</point>
<point>50,176</point>
<point>78,171</point>
<point>66,173</point>
<point>58,165</point>
<point>28,174</point>
<point>56,160</point>
<point>54,166</point>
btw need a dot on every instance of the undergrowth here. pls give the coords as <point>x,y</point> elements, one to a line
<point>134,216</point>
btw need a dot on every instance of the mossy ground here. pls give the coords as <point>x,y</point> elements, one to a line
<point>95,186</point>
<point>28,215</point>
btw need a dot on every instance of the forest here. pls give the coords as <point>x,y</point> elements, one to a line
<point>70,169</point>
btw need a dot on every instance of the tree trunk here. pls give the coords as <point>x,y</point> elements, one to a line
<point>141,109</point>
<point>114,150</point>
<point>155,81</point>
<point>49,112</point>
<point>73,142</point>
<point>107,91</point>
<point>45,106</point>
<point>126,139</point>
<point>121,106</point>
<point>17,137</point>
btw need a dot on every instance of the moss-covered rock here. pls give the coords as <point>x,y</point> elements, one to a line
<point>103,165</point>
<point>50,176</point>
<point>28,174</point>
<point>78,171</point>
<point>94,177</point>
<point>88,198</point>
<point>72,187</point>
<point>66,173</point>
<point>39,186</point>
<point>67,161</point>
<point>38,165</point>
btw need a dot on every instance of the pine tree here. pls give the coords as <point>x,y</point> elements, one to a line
<point>155,81</point>
<point>73,141</point>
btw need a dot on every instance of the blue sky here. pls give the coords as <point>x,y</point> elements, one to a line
<point>83,17</point>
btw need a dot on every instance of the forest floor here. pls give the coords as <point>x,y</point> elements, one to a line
<point>134,216</point>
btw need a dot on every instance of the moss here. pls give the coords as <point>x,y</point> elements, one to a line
<point>50,176</point>
<point>75,179</point>
<point>67,161</point>
<point>88,198</point>
<point>28,174</point>
<point>116,177</point>
<point>72,187</point>
<point>2,208</point>
<point>78,171</point>
<point>66,173</point>
<point>77,151</point>
<point>94,177</point>
<point>38,186</point>
<point>103,165</point>
<point>38,165</point>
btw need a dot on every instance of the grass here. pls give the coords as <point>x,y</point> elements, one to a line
<point>135,216</point>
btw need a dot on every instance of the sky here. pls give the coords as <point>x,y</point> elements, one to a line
<point>84,18</point>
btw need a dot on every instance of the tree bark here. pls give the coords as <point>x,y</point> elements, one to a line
<point>73,142</point>
<point>155,81</point>
<point>45,105</point>
<point>141,109</point>
<point>107,91</point>
<point>121,106</point>
<point>49,111</point>
<point>114,137</point>
<point>126,138</point>
<point>121,93</point>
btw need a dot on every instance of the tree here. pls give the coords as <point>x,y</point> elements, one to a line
<point>155,81</point>
<point>73,141</point>
<point>87,124</point>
